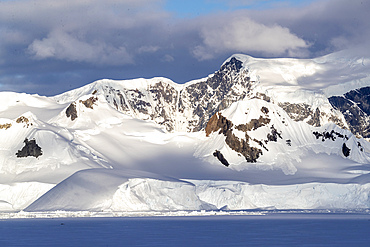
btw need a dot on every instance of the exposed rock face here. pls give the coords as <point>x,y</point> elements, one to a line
<point>187,107</point>
<point>218,122</point>
<point>253,124</point>
<point>315,119</point>
<point>297,112</point>
<point>225,127</point>
<point>89,103</point>
<point>157,102</point>
<point>228,85</point>
<point>71,111</point>
<point>30,149</point>
<point>304,112</point>
<point>355,107</point>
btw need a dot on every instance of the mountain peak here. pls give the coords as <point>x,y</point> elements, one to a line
<point>256,128</point>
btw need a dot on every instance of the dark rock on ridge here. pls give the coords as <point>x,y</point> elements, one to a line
<point>345,150</point>
<point>216,93</point>
<point>71,111</point>
<point>30,149</point>
<point>355,107</point>
<point>225,126</point>
<point>189,108</point>
<point>273,136</point>
<point>221,158</point>
<point>89,103</point>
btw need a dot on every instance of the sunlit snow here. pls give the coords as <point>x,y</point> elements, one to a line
<point>108,162</point>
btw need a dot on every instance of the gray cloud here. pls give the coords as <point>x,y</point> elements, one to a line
<point>328,25</point>
<point>64,46</point>
<point>51,46</point>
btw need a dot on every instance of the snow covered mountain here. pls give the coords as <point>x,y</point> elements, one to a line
<point>257,133</point>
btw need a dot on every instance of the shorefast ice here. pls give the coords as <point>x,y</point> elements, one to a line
<point>96,190</point>
<point>311,213</point>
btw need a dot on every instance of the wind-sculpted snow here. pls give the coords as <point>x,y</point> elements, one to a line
<point>17,196</point>
<point>257,133</point>
<point>120,190</point>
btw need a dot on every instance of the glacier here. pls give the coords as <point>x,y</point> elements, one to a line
<point>149,145</point>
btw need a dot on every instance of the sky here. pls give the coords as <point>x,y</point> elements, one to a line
<point>49,47</point>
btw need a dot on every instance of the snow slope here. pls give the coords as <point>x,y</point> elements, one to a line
<point>100,155</point>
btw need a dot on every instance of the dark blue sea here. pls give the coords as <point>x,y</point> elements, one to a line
<point>256,230</point>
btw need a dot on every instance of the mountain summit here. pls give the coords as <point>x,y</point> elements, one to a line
<point>253,132</point>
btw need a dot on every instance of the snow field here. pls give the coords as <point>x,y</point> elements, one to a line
<point>108,162</point>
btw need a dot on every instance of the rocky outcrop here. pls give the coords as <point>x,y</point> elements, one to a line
<point>273,136</point>
<point>221,158</point>
<point>185,107</point>
<point>71,111</point>
<point>355,107</point>
<point>332,135</point>
<point>30,149</point>
<point>253,124</point>
<point>219,123</point>
<point>242,146</point>
<point>203,99</point>
<point>5,126</point>
<point>89,103</point>
<point>304,112</point>
<point>315,119</point>
<point>345,150</point>
<point>24,120</point>
<point>297,112</point>
<point>189,107</point>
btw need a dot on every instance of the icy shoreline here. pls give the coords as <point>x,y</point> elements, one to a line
<point>90,214</point>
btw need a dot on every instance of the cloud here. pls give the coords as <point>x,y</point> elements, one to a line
<point>108,32</point>
<point>328,25</point>
<point>64,46</point>
<point>241,34</point>
<point>46,43</point>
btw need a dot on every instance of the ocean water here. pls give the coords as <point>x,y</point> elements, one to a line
<point>258,230</point>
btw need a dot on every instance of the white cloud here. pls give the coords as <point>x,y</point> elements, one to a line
<point>64,46</point>
<point>90,31</point>
<point>241,34</point>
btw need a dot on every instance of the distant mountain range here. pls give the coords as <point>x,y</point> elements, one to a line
<point>253,130</point>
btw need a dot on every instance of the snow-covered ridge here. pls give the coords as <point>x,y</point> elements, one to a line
<point>187,107</point>
<point>254,134</point>
<point>176,107</point>
<point>333,74</point>
<point>256,131</point>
